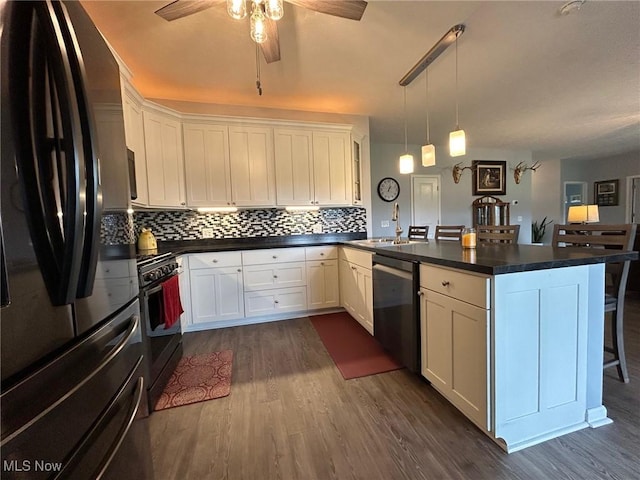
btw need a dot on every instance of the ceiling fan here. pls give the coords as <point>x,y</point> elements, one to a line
<point>351,9</point>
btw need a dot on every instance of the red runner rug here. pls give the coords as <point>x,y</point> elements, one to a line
<point>198,378</point>
<point>353,350</point>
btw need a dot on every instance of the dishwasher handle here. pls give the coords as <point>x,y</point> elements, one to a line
<point>393,271</point>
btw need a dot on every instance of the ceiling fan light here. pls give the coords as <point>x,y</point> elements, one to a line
<point>457,143</point>
<point>406,163</point>
<point>258,26</point>
<point>428,155</point>
<point>237,9</point>
<point>274,9</point>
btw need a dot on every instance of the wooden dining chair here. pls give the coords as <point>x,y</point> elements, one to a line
<point>449,232</point>
<point>502,234</point>
<point>606,236</point>
<point>418,232</point>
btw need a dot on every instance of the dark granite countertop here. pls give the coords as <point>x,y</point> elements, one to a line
<point>493,259</point>
<point>485,258</point>
<point>254,243</point>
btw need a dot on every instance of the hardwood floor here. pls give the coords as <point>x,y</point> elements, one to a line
<point>290,415</point>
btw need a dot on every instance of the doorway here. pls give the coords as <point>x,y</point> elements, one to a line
<point>575,193</point>
<point>425,201</point>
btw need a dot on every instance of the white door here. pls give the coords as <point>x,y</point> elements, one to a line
<point>425,201</point>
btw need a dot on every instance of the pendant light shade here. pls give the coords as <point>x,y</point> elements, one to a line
<point>274,9</point>
<point>428,150</point>
<point>237,9</point>
<point>406,163</point>
<point>258,25</point>
<point>406,160</point>
<point>457,141</point>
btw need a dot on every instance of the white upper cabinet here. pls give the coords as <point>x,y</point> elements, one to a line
<point>207,168</point>
<point>332,168</point>
<point>252,166</point>
<point>294,166</point>
<point>134,134</point>
<point>313,167</point>
<point>165,166</point>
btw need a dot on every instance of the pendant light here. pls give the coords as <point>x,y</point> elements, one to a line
<point>406,160</point>
<point>457,141</point>
<point>274,9</point>
<point>428,150</point>
<point>237,9</point>
<point>258,24</point>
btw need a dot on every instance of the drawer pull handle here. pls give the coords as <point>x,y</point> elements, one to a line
<point>322,263</point>
<point>239,270</point>
<point>275,276</point>
<point>276,301</point>
<point>420,294</point>
<point>353,268</point>
<point>445,283</point>
<point>274,257</point>
<point>322,254</point>
<point>215,261</point>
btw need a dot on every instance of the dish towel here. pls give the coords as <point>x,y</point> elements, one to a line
<point>171,301</point>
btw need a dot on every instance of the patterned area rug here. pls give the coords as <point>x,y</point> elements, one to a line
<point>198,378</point>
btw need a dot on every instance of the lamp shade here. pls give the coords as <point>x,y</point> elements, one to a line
<point>406,163</point>
<point>457,143</point>
<point>428,155</point>
<point>583,214</point>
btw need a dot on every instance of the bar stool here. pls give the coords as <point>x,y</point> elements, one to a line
<point>418,232</point>
<point>449,232</point>
<point>502,234</point>
<point>606,236</point>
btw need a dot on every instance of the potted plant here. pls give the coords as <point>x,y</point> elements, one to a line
<point>538,230</point>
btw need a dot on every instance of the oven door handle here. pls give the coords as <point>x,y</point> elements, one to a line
<point>151,291</point>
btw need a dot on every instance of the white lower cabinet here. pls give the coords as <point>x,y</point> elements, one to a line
<point>454,339</point>
<point>271,302</point>
<point>216,294</point>
<point>322,284</point>
<point>454,330</point>
<point>356,286</point>
<point>277,275</point>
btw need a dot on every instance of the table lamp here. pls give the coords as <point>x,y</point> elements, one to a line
<point>583,214</point>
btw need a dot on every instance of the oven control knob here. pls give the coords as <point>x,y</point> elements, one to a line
<point>166,270</point>
<point>148,277</point>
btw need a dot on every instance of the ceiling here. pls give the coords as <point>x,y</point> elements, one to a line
<point>562,86</point>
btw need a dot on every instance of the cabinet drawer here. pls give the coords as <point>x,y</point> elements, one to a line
<point>329,252</point>
<point>359,257</point>
<point>468,287</point>
<point>281,300</point>
<point>215,260</point>
<point>272,255</point>
<point>261,277</point>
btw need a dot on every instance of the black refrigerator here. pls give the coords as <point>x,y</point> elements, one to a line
<point>73,397</point>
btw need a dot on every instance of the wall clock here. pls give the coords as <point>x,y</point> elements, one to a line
<point>388,189</point>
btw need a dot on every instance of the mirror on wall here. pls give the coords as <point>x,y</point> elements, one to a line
<point>575,193</point>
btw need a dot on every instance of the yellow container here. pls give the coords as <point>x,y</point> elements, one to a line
<point>469,238</point>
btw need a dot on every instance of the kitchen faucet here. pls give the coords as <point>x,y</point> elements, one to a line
<point>395,217</point>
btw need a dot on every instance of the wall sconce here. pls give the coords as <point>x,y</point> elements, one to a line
<point>457,172</point>
<point>521,168</point>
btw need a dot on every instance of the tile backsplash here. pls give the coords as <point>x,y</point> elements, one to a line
<point>271,222</point>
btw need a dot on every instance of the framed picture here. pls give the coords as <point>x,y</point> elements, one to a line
<point>489,177</point>
<point>605,193</point>
<point>575,199</point>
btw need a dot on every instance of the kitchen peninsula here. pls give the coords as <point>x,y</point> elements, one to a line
<point>522,327</point>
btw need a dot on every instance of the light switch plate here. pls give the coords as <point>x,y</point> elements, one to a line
<point>317,228</point>
<point>384,223</point>
<point>207,233</point>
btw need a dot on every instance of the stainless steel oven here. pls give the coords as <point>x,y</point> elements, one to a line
<point>162,343</point>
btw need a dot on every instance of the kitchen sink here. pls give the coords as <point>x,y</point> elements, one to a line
<point>382,242</point>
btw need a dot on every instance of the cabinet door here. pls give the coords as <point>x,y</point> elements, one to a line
<point>252,168</point>
<point>114,170</point>
<point>364,303</point>
<point>134,134</point>
<point>455,342</point>
<point>261,277</point>
<point>281,300</point>
<point>348,286</point>
<point>332,168</point>
<point>216,294</point>
<point>165,168</point>
<point>294,167</point>
<point>322,284</point>
<point>207,169</point>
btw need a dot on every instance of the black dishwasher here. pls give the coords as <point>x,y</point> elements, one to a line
<point>396,317</point>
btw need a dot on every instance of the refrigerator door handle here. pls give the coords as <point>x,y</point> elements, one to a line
<point>91,166</point>
<point>47,137</point>
<point>5,299</point>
